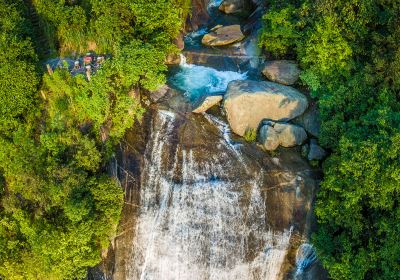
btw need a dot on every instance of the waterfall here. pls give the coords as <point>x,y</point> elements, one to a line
<point>196,222</point>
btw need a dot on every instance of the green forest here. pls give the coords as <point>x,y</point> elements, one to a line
<point>349,51</point>
<point>59,208</point>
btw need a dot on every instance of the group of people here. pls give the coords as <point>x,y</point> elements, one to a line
<point>82,65</point>
<point>88,63</point>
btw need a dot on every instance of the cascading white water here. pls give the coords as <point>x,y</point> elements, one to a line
<point>195,222</point>
<point>199,81</point>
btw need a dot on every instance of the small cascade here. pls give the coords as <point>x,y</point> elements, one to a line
<point>193,39</point>
<point>198,81</point>
<point>196,222</point>
<point>213,4</point>
<point>305,257</point>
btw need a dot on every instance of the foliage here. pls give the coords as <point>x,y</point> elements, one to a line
<point>104,26</point>
<point>349,54</point>
<point>18,78</point>
<point>58,208</point>
<point>250,135</point>
<point>279,32</point>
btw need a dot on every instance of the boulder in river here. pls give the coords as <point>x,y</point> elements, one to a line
<point>281,71</point>
<point>207,103</point>
<point>247,103</point>
<point>232,6</point>
<point>287,135</point>
<point>223,35</point>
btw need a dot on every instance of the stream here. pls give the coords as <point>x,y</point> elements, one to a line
<point>200,203</point>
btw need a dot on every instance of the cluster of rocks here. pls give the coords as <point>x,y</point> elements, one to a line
<point>281,115</point>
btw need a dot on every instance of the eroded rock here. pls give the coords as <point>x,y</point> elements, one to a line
<point>223,36</point>
<point>281,71</point>
<point>247,103</point>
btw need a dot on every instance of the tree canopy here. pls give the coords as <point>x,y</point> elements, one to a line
<point>349,54</point>
<point>59,208</point>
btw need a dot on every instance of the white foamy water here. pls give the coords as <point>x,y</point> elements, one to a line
<point>199,81</point>
<point>195,223</point>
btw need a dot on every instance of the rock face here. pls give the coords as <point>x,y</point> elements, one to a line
<point>281,71</point>
<point>159,93</point>
<point>223,36</point>
<point>207,103</point>
<point>232,6</point>
<point>287,135</point>
<point>247,103</point>
<point>199,15</point>
<point>316,152</point>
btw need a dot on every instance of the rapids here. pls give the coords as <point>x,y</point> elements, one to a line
<point>199,81</point>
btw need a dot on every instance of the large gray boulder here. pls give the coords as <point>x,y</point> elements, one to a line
<point>287,135</point>
<point>310,120</point>
<point>281,71</point>
<point>223,35</point>
<point>290,135</point>
<point>247,103</point>
<point>207,103</point>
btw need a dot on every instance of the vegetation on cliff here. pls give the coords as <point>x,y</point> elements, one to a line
<point>58,206</point>
<point>350,56</point>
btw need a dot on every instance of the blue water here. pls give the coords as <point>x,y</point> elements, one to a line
<point>199,81</point>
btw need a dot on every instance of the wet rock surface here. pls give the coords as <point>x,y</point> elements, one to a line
<point>247,103</point>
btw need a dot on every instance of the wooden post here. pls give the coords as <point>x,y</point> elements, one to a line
<point>88,70</point>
